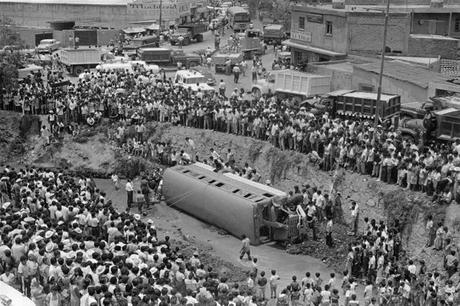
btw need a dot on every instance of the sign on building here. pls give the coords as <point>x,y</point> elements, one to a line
<point>302,36</point>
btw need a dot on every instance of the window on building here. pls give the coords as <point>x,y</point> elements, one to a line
<point>457,25</point>
<point>301,23</point>
<point>329,28</point>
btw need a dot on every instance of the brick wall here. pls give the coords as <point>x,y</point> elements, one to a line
<point>432,47</point>
<point>366,32</point>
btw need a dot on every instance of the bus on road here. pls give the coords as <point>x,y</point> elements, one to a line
<point>238,18</point>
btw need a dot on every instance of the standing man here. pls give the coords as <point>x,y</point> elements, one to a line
<point>191,147</point>
<point>245,248</point>
<point>145,191</point>
<point>130,193</point>
<point>222,88</point>
<point>354,216</point>
<point>236,73</point>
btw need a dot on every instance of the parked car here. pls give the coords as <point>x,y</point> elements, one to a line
<point>48,46</point>
<point>206,73</point>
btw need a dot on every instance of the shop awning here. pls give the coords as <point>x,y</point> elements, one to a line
<point>330,53</point>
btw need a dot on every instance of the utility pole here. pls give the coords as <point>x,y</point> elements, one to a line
<point>378,105</point>
<point>161,15</point>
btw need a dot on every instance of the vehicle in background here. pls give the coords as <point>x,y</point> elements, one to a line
<point>140,42</point>
<point>10,48</point>
<point>274,34</point>
<point>441,125</point>
<point>293,84</point>
<point>238,18</point>
<point>167,57</point>
<point>129,66</point>
<point>358,104</point>
<point>417,110</point>
<point>48,46</point>
<point>189,32</point>
<point>28,71</point>
<point>282,58</point>
<point>192,80</point>
<point>77,60</point>
<point>251,43</point>
<point>219,59</point>
<point>211,80</point>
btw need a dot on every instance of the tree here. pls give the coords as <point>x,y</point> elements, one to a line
<point>10,61</point>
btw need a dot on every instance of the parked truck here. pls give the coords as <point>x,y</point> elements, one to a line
<point>274,34</point>
<point>441,125</point>
<point>293,84</point>
<point>140,42</point>
<point>77,60</point>
<point>165,57</point>
<point>251,43</point>
<point>219,59</point>
<point>189,32</point>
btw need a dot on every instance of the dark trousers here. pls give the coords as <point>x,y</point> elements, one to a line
<point>130,199</point>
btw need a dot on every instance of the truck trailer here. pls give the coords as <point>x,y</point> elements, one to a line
<point>77,60</point>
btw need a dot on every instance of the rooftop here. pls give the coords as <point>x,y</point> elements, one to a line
<point>404,72</point>
<point>70,2</point>
<point>372,9</point>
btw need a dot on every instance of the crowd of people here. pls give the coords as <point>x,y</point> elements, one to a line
<point>63,243</point>
<point>140,97</point>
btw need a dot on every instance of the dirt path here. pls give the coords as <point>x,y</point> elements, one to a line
<point>181,226</point>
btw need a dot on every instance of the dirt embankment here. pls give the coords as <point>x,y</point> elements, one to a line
<point>92,152</point>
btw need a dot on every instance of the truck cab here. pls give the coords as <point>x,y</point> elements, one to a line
<point>189,32</point>
<point>192,80</point>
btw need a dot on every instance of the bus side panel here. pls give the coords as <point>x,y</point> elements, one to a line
<point>210,204</point>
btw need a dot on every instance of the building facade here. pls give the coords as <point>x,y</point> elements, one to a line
<point>331,31</point>
<point>116,14</point>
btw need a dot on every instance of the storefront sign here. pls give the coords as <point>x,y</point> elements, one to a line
<point>316,18</point>
<point>303,36</point>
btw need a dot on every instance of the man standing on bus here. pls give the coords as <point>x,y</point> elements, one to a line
<point>245,248</point>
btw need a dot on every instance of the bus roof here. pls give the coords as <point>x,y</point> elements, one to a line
<point>237,10</point>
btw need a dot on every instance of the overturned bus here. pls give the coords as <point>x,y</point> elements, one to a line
<point>228,201</point>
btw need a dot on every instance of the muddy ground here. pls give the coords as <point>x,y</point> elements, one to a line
<point>92,151</point>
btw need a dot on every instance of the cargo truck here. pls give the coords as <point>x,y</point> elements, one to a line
<point>219,59</point>
<point>251,43</point>
<point>293,84</point>
<point>189,32</point>
<point>274,34</point>
<point>77,60</point>
<point>165,57</point>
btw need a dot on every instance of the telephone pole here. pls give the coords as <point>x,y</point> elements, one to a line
<point>161,15</point>
<point>378,105</point>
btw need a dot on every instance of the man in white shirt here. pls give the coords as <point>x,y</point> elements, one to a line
<point>130,192</point>
<point>354,216</point>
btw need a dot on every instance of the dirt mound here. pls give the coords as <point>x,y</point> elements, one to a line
<point>287,169</point>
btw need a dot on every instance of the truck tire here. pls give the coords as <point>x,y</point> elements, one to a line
<point>199,38</point>
<point>186,41</point>
<point>77,70</point>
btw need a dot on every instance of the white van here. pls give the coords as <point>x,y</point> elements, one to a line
<point>193,80</point>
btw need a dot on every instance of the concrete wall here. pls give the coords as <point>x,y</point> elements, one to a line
<point>339,79</point>
<point>38,15</point>
<point>432,47</point>
<point>336,42</point>
<point>409,92</point>
<point>28,35</point>
<point>366,32</point>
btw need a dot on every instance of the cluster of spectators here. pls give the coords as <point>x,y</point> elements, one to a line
<point>139,97</point>
<point>63,243</point>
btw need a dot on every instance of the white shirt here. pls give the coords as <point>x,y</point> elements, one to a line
<point>129,186</point>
